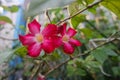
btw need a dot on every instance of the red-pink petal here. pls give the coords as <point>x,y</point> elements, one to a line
<point>27,39</point>
<point>75,42</point>
<point>34,27</point>
<point>34,50</point>
<point>71,32</point>
<point>62,29</point>
<point>57,41</point>
<point>48,46</point>
<point>68,48</point>
<point>41,77</point>
<point>49,30</point>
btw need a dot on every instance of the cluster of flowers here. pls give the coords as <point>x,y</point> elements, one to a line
<point>48,39</point>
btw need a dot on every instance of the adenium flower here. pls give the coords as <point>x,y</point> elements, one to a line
<point>37,40</point>
<point>41,77</point>
<point>68,42</point>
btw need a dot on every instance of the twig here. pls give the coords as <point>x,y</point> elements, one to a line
<point>89,6</point>
<point>47,14</point>
<point>103,39</point>
<point>37,71</point>
<point>87,52</point>
<point>103,72</point>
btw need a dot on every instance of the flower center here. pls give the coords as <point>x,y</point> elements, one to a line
<point>39,37</point>
<point>65,38</point>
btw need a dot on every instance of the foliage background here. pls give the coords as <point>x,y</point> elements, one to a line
<point>97,23</point>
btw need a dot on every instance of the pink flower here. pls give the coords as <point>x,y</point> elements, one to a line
<point>67,39</point>
<point>37,40</point>
<point>41,77</point>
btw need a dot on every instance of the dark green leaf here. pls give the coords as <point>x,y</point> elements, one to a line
<point>116,71</point>
<point>36,6</point>
<point>93,64</point>
<point>109,52</point>
<point>72,71</point>
<point>80,72</point>
<point>100,55</point>
<point>5,19</point>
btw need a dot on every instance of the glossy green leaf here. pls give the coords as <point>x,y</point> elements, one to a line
<point>21,51</point>
<point>5,19</point>
<point>113,5</point>
<point>36,6</point>
<point>4,55</point>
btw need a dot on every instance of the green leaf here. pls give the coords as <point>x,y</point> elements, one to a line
<point>21,51</point>
<point>113,5</point>
<point>87,32</point>
<point>100,55</point>
<point>55,56</point>
<point>80,72</point>
<point>75,21</point>
<point>85,2</point>
<point>4,55</point>
<point>72,71</point>
<point>5,19</point>
<point>73,8</point>
<point>89,58</point>
<point>36,6</point>
<point>93,64</point>
<point>109,52</point>
<point>14,8</point>
<point>116,71</point>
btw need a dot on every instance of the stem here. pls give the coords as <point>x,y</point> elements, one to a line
<point>47,14</point>
<point>87,52</point>
<point>89,6</point>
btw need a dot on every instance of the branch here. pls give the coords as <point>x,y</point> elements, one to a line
<point>87,52</point>
<point>89,6</point>
<point>47,14</point>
